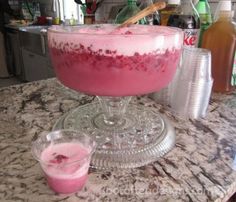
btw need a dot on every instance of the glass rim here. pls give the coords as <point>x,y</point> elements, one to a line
<point>90,153</point>
<point>189,50</point>
<point>64,31</point>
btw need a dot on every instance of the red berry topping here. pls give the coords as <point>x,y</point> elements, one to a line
<point>59,159</point>
<point>128,32</point>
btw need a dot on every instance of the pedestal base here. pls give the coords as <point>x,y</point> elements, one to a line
<point>143,136</point>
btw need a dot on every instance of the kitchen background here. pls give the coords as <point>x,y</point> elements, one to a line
<point>27,53</point>
<point>104,11</point>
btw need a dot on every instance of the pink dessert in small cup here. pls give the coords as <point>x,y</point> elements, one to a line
<point>64,156</point>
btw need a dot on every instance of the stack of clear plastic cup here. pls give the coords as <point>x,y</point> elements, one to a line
<point>192,89</point>
<point>164,96</point>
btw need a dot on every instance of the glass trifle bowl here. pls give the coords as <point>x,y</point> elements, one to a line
<point>115,64</point>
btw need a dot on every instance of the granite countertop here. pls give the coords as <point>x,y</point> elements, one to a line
<point>199,168</point>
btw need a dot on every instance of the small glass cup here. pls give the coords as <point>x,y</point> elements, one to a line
<point>64,156</point>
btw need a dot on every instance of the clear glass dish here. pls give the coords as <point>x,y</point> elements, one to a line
<point>114,64</point>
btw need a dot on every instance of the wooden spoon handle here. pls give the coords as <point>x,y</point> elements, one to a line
<point>143,13</point>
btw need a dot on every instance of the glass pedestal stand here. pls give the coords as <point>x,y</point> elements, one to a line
<point>128,136</point>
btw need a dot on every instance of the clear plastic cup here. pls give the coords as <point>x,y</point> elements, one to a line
<point>64,156</point>
<point>196,64</point>
<point>192,89</point>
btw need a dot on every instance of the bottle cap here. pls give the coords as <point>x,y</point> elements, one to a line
<point>174,2</point>
<point>225,5</point>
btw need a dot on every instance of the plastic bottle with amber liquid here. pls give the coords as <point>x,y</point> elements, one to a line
<point>220,39</point>
<point>172,7</point>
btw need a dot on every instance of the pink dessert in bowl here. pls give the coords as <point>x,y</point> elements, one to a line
<point>107,61</point>
<point>64,157</point>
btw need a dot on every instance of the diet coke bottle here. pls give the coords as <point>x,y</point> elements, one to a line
<point>188,19</point>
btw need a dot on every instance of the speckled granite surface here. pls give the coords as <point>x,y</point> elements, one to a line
<point>199,168</point>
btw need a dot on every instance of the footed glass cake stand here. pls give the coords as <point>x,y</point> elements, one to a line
<point>115,64</point>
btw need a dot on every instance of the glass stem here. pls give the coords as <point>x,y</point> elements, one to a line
<point>114,109</point>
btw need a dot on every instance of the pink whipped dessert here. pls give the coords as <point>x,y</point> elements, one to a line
<point>66,166</point>
<point>107,61</point>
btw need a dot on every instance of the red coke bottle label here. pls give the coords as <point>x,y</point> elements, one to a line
<point>190,25</point>
<point>191,37</point>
